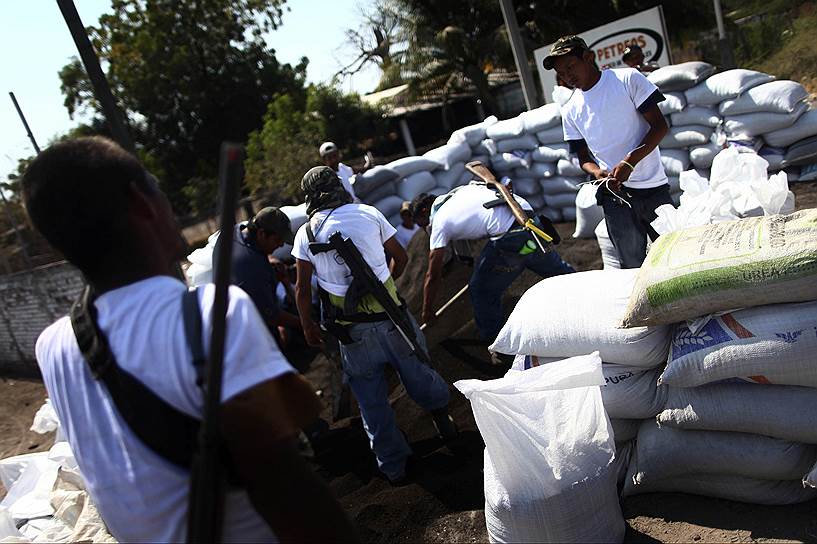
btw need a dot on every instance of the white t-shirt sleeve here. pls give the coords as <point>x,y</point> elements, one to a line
<point>251,355</point>
<point>386,230</point>
<point>638,86</point>
<point>569,128</point>
<point>300,246</point>
<point>438,237</point>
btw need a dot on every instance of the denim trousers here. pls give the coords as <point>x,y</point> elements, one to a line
<point>496,268</point>
<point>629,227</point>
<point>374,346</point>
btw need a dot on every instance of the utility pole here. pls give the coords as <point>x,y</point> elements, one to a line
<point>102,91</point>
<point>25,123</point>
<point>519,56</point>
<point>10,216</point>
<point>727,58</point>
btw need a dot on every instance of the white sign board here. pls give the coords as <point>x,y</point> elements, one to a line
<point>645,29</point>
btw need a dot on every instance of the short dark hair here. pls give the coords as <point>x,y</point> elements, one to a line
<point>76,194</point>
<point>421,202</point>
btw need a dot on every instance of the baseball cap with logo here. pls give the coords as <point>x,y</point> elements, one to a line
<point>271,219</point>
<point>327,148</point>
<point>564,46</point>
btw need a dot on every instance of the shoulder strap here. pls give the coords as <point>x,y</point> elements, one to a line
<point>168,432</point>
<point>191,314</point>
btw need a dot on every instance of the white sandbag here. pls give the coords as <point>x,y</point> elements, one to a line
<point>632,392</point>
<point>701,156</point>
<point>505,162</point>
<point>561,95</point>
<point>484,159</point>
<point>543,169</point>
<point>665,452</point>
<point>731,488</point>
<point>560,184</point>
<point>28,496</point>
<point>372,178</point>
<point>609,255</point>
<point>45,420</point>
<point>773,97</point>
<point>680,77</point>
<point>674,183</point>
<point>725,85</point>
<point>395,219</point>
<point>767,344</point>
<point>570,167</point>
<point>588,212</point>
<point>473,134</point>
<point>625,430</point>
<point>411,165</point>
<point>465,179</point>
<point>485,148</point>
<point>675,161</point>
<point>561,200</point>
<point>507,128</point>
<point>743,263</point>
<point>413,185</point>
<point>526,142</point>
<point>450,178</point>
<point>553,135</point>
<point>553,214</point>
<point>436,191</point>
<point>548,454</point>
<point>697,115</point>
<point>672,103</point>
<point>390,205</point>
<point>551,153</point>
<point>526,186</point>
<point>8,529</point>
<point>803,128</point>
<point>449,154</point>
<point>685,136</point>
<point>536,201</point>
<point>774,156</point>
<point>531,328</point>
<point>748,125</point>
<point>802,153</point>
<point>541,118</point>
<point>379,193</point>
<point>568,214</point>
<point>784,412</point>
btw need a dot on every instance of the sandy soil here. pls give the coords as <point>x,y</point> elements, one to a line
<point>444,501</point>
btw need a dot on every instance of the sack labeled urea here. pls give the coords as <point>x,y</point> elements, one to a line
<point>735,264</point>
<point>574,314</point>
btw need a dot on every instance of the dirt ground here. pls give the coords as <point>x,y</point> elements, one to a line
<point>444,501</point>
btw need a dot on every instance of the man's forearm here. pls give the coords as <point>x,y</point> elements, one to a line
<point>303,300</point>
<point>650,142</point>
<point>430,288</point>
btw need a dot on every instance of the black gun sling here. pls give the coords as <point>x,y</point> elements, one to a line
<point>168,432</point>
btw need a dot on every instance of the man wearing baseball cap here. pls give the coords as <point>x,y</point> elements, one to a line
<point>330,155</point>
<point>251,270</point>
<point>634,58</point>
<point>612,122</point>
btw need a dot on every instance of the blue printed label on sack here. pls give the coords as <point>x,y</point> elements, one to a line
<point>685,342</point>
<point>789,337</point>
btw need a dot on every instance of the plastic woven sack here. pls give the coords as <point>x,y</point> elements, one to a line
<point>551,153</point>
<point>413,185</point>
<point>609,255</point>
<point>588,212</point>
<point>674,161</point>
<point>680,77</point>
<point>449,154</point>
<point>685,136</point>
<point>697,115</point>
<point>542,118</point>
<point>553,135</point>
<point>507,128</point>
<point>672,103</point>
<point>773,97</point>
<point>725,85</point>
<point>748,125</point>
<point>527,142</point>
<point>804,127</point>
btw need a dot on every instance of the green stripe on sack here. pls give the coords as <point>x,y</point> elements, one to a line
<point>754,274</point>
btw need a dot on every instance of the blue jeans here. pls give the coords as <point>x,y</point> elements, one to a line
<point>374,346</point>
<point>629,227</point>
<point>494,271</point>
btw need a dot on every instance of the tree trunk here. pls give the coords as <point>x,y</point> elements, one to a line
<point>480,81</point>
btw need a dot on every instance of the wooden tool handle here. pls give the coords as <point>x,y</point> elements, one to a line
<point>483,173</point>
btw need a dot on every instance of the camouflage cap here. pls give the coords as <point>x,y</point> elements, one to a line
<point>563,46</point>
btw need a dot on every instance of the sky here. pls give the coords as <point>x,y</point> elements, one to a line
<point>36,44</point>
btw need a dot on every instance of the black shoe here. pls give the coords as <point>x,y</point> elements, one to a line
<point>501,359</point>
<point>445,425</point>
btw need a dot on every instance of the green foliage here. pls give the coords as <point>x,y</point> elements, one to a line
<point>189,75</point>
<point>793,55</point>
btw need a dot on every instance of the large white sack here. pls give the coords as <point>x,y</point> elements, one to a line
<point>625,430</point>
<point>532,328</point>
<point>588,212</point>
<point>526,186</point>
<point>725,85</point>
<point>411,165</point>
<point>801,153</point>
<point>714,268</point>
<point>507,128</point>
<point>665,452</point>
<point>609,255</point>
<point>553,214</point>
<point>561,95</point>
<point>774,156</point>
<point>697,115</point>
<point>570,167</point>
<point>536,201</point>
<point>748,125</point>
<point>561,200</point>
<point>504,162</point>
<point>672,103</point>
<point>525,141</point>
<point>371,179</point>
<point>780,411</point>
<point>680,77</point>
<point>731,488</point>
<point>560,184</point>
<point>551,152</point>
<point>541,118</point>
<point>685,136</point>
<point>773,97</point>
<point>449,154</point>
<point>473,134</point>
<point>379,193</point>
<point>568,213</point>
<point>674,183</point>
<point>450,178</point>
<point>675,161</point>
<point>543,169</point>
<point>701,156</point>
<point>484,150</point>
<point>28,495</point>
<point>804,127</point>
<point>413,185</point>
<point>548,454</point>
<point>390,205</point>
<point>553,135</point>
<point>773,344</point>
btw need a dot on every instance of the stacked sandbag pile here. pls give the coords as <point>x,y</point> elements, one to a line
<point>738,419</point>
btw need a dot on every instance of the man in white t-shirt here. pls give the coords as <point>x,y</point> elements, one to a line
<point>407,228</point>
<point>330,155</point>
<point>368,339</point>
<point>462,215</point>
<point>96,204</point>
<point>614,115</point>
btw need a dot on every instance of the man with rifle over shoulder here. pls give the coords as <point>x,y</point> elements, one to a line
<point>344,245</point>
<point>121,371</point>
